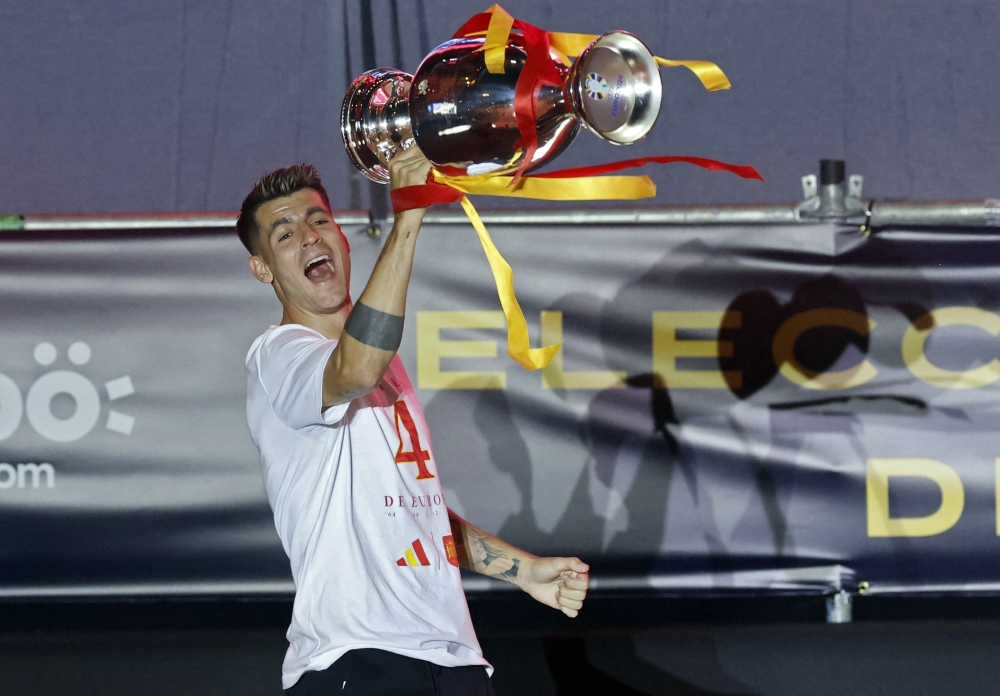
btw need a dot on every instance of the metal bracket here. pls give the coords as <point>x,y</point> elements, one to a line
<point>839,607</point>
<point>855,183</point>
<point>809,186</point>
<point>829,202</point>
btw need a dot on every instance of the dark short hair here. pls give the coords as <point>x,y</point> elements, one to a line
<point>277,184</point>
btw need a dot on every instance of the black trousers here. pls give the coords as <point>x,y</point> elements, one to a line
<point>371,672</point>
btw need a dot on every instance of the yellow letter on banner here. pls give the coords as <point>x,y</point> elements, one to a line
<point>553,375</point>
<point>915,338</point>
<point>667,348</point>
<point>952,498</point>
<point>783,349</point>
<point>431,348</point>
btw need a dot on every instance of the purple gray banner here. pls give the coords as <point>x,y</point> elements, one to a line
<point>789,408</point>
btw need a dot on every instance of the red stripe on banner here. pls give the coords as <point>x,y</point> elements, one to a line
<point>401,562</point>
<point>419,550</point>
<point>741,170</point>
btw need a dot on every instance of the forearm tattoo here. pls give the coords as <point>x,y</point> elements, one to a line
<point>481,554</point>
<point>374,328</point>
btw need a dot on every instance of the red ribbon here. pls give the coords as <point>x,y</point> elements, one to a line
<point>432,193</point>
<point>421,196</point>
<point>477,24</point>
<point>538,70</point>
<point>740,170</point>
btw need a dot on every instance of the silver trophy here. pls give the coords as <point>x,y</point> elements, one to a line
<point>462,117</point>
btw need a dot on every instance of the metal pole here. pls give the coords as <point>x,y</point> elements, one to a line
<point>982,217</point>
<point>377,195</point>
<point>354,177</point>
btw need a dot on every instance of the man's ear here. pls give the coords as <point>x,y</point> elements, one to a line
<point>260,270</point>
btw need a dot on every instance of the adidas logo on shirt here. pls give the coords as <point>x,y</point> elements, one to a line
<point>414,556</point>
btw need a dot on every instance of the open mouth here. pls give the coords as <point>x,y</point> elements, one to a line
<point>320,269</point>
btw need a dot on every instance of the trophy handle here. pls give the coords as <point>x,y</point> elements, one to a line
<point>375,120</point>
<point>614,88</point>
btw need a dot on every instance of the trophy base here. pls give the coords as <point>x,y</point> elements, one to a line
<point>614,88</point>
<point>375,120</point>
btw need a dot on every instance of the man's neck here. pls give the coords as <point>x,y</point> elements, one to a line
<point>330,325</point>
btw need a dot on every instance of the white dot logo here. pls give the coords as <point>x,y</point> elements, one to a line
<point>45,354</point>
<point>79,353</point>
<point>39,403</point>
<point>38,406</point>
<point>11,407</point>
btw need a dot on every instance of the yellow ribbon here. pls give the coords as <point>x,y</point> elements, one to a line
<point>625,188</point>
<point>710,74</point>
<point>571,189</point>
<point>495,45</point>
<point>518,343</point>
<point>569,45</point>
<point>583,188</point>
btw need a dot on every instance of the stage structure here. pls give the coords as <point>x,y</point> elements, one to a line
<point>797,399</point>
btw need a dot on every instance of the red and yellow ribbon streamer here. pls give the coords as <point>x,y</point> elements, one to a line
<point>576,184</point>
<point>582,188</point>
<point>710,74</point>
<point>741,170</point>
<point>500,23</point>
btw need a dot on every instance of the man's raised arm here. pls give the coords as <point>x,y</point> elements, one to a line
<point>560,583</point>
<point>375,326</point>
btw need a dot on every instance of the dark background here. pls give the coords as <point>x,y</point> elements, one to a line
<point>617,647</point>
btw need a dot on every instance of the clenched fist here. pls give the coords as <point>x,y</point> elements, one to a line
<point>560,583</point>
<point>408,167</point>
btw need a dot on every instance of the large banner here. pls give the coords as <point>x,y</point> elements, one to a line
<point>793,408</point>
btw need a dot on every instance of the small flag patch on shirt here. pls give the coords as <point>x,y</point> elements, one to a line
<point>414,556</point>
<point>449,550</point>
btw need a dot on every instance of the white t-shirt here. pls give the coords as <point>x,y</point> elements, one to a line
<point>359,509</point>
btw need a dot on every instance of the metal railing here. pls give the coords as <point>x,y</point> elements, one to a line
<point>975,213</point>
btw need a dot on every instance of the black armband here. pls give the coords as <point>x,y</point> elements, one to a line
<point>374,328</point>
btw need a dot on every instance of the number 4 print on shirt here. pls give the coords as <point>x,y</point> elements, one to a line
<point>416,455</point>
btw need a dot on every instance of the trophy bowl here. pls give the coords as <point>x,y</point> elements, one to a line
<point>462,116</point>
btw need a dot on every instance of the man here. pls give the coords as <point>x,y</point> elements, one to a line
<point>348,467</point>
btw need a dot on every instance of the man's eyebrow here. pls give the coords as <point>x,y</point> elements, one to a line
<point>316,209</point>
<point>277,223</point>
